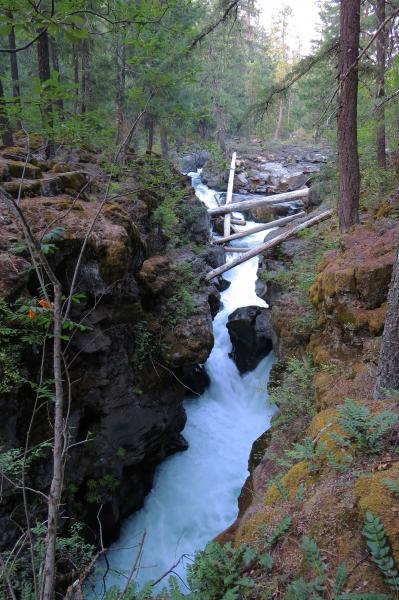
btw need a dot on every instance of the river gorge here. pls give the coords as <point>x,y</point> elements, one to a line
<point>195,492</point>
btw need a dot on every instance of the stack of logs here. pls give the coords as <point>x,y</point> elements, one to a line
<point>229,207</point>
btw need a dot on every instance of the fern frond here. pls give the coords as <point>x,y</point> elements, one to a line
<point>280,530</point>
<point>380,549</point>
<point>340,578</point>
<point>312,554</point>
<point>392,485</point>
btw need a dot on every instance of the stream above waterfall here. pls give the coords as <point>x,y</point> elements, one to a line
<point>194,496</point>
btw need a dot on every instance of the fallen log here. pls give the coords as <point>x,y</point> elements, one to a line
<point>261,227</point>
<point>234,249</point>
<point>263,200</point>
<point>234,221</point>
<point>229,196</point>
<point>267,245</point>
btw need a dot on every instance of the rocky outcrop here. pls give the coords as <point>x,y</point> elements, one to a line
<point>251,333</point>
<point>326,499</point>
<point>148,323</point>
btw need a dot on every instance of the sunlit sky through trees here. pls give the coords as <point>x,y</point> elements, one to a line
<point>304,21</point>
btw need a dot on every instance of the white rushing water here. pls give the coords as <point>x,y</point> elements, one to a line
<point>195,493</point>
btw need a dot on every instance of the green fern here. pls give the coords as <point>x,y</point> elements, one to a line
<point>380,549</point>
<point>280,530</point>
<point>362,428</point>
<point>312,555</point>
<point>307,451</point>
<point>340,578</point>
<point>392,485</point>
<point>266,561</point>
<point>306,590</point>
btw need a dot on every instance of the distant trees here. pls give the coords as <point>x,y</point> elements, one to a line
<point>349,170</point>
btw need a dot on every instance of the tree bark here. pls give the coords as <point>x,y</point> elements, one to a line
<point>86,78</point>
<point>280,119</point>
<point>380,76</point>
<point>16,90</point>
<point>151,131</point>
<point>164,143</point>
<point>43,59</point>
<point>55,61</point>
<point>349,171</point>
<point>5,127</point>
<point>54,499</point>
<point>120,62</point>
<point>75,66</point>
<point>220,133</point>
<point>388,367</point>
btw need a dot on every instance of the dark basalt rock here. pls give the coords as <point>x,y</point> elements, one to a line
<point>126,409</point>
<point>251,334</point>
<point>195,378</point>
<point>190,163</point>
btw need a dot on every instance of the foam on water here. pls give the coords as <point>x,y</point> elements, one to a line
<point>194,496</point>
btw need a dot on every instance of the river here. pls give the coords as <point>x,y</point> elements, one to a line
<point>194,496</point>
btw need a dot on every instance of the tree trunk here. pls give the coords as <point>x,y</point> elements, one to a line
<point>120,62</point>
<point>43,56</point>
<point>164,143</point>
<point>86,79</point>
<point>380,76</point>
<point>56,66</point>
<point>388,367</point>
<point>349,172</point>
<point>75,66</point>
<point>54,499</point>
<point>16,90</point>
<point>5,128</point>
<point>220,133</point>
<point>280,119</point>
<point>150,129</point>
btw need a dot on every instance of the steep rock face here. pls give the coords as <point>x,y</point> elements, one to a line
<point>349,293</point>
<point>251,332</point>
<point>149,320</point>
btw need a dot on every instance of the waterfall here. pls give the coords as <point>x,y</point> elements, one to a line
<point>195,493</point>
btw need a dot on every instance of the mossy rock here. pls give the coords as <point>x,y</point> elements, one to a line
<point>36,141</point>
<point>19,168</point>
<point>61,168</point>
<point>297,475</point>
<point>373,495</point>
<point>73,181</point>
<point>252,528</point>
<point>28,188</point>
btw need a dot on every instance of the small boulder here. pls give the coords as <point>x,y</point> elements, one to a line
<point>251,333</point>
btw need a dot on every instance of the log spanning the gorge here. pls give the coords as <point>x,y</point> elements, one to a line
<point>229,196</point>
<point>262,227</point>
<point>267,245</point>
<point>261,201</point>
